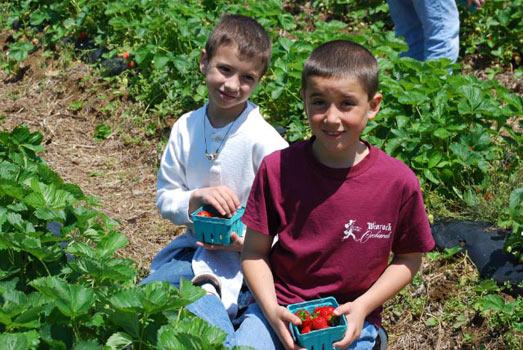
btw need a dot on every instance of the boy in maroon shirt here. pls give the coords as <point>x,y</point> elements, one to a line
<point>339,207</point>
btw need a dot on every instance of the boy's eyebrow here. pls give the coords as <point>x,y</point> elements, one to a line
<point>321,94</point>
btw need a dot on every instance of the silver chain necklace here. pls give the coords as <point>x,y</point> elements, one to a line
<point>213,156</point>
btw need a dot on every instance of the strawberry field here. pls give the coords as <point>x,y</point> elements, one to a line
<point>90,89</point>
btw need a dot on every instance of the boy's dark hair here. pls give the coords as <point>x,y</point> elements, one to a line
<point>341,59</point>
<point>250,37</point>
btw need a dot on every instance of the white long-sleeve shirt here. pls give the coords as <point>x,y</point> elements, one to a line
<point>184,168</point>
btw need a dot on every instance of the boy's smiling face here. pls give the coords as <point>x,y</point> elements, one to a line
<point>338,110</point>
<point>230,80</point>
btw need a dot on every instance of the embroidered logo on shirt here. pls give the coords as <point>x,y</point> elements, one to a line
<point>373,230</point>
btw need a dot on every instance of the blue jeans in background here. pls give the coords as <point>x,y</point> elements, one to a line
<point>430,27</point>
<point>255,331</point>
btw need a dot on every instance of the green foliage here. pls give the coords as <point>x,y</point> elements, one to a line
<point>62,285</point>
<point>506,316</point>
<point>494,32</point>
<point>514,221</point>
<point>101,132</point>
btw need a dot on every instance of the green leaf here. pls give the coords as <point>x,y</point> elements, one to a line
<point>72,300</point>
<point>413,98</point>
<point>434,159</point>
<point>16,221</point>
<point>448,252</point>
<point>286,43</point>
<point>431,322</point>
<point>39,16</point>
<point>91,344</point>
<point>128,300</point>
<point>19,51</point>
<point>442,133</point>
<point>48,214</point>
<point>430,176</point>
<point>189,293</point>
<point>128,321</point>
<point>491,302</point>
<point>191,333</point>
<point>118,341</point>
<point>516,203</point>
<point>111,243</point>
<point>80,249</point>
<point>47,253</point>
<point>161,60</point>
<point>9,171</point>
<point>19,341</point>
<point>15,192</point>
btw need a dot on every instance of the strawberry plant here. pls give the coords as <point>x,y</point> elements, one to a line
<point>62,285</point>
<point>494,32</point>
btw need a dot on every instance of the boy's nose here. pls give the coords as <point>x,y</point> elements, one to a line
<point>232,83</point>
<point>331,114</point>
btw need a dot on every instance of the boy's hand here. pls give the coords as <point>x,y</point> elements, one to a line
<point>355,315</point>
<point>222,198</point>
<point>478,3</point>
<point>279,318</point>
<point>236,244</point>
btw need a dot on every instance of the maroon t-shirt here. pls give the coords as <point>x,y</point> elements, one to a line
<point>336,227</point>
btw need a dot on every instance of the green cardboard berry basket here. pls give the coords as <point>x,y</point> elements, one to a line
<point>216,230</point>
<point>321,339</point>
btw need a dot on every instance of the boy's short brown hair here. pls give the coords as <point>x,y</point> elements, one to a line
<point>246,33</point>
<point>340,59</point>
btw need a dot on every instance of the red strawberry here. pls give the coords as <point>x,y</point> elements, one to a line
<point>319,322</point>
<point>306,329</point>
<point>125,55</point>
<point>130,64</point>
<point>305,317</point>
<point>204,213</point>
<point>326,312</point>
<point>82,36</point>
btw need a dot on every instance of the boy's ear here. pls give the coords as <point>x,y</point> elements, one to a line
<point>374,106</point>
<point>203,62</point>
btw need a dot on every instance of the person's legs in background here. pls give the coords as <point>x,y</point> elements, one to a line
<point>408,26</point>
<point>430,27</point>
<point>440,21</point>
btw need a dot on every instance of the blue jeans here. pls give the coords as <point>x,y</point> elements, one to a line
<point>209,307</point>
<point>256,332</point>
<point>430,27</point>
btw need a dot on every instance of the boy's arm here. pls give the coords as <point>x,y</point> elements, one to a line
<point>258,274</point>
<point>396,276</point>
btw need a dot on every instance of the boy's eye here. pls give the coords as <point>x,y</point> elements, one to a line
<point>224,69</point>
<point>248,77</point>
<point>318,102</point>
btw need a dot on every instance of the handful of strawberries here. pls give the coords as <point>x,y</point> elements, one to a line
<point>322,317</point>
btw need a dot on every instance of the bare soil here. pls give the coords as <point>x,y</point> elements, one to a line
<point>122,173</point>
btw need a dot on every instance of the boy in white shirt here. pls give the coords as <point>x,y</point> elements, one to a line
<point>211,158</point>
